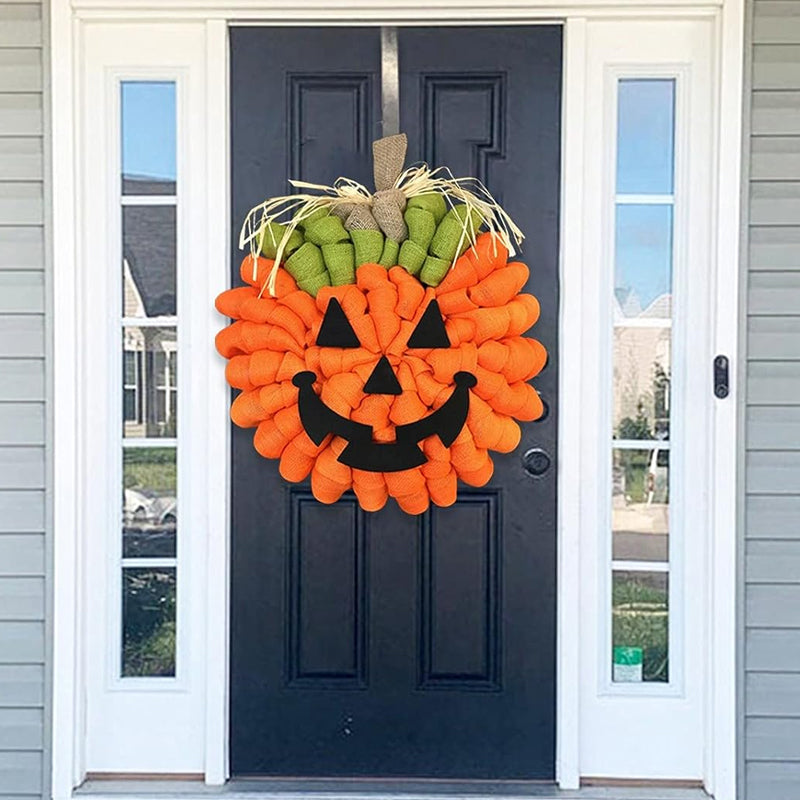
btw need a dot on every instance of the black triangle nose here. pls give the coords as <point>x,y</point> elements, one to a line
<point>383,380</point>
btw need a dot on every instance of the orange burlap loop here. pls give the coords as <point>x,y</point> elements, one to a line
<point>272,339</point>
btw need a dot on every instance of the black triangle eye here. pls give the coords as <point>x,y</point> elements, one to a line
<point>336,331</point>
<point>430,330</point>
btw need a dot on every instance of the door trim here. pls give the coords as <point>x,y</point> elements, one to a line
<point>67,23</point>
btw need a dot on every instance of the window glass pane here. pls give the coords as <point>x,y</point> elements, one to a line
<point>645,125</point>
<point>148,137</point>
<point>130,367</point>
<point>640,504</point>
<point>642,374</point>
<point>153,351</point>
<point>149,502</point>
<point>148,622</point>
<point>148,261</point>
<point>130,409</point>
<point>643,261</point>
<point>641,627</point>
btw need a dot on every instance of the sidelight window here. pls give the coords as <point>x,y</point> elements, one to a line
<point>642,312</point>
<point>148,566</point>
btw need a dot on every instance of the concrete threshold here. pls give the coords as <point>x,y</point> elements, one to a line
<point>329,789</point>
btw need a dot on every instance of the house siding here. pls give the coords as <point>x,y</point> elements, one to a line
<point>771,730</point>
<point>22,404</point>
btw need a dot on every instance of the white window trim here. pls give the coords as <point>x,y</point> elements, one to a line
<point>681,74</point>
<point>66,34</point>
<point>115,563</point>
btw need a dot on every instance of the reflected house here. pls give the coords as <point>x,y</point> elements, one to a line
<point>642,368</point>
<point>149,351</point>
<point>642,374</point>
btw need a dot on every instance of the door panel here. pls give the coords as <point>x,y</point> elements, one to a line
<point>384,644</point>
<point>459,604</point>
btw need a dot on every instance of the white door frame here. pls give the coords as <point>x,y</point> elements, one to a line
<point>67,28</point>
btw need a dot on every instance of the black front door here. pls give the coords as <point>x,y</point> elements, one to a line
<point>385,644</point>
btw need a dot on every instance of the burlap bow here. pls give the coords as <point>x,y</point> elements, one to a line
<point>388,203</point>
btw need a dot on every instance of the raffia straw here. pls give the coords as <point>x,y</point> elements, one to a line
<point>472,193</point>
<point>414,181</point>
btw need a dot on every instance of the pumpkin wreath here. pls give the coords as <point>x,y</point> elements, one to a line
<point>378,339</point>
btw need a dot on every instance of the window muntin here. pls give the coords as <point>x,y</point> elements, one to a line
<point>642,309</point>
<point>148,565</point>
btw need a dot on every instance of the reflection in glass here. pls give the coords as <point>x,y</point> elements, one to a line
<point>640,630</point>
<point>645,132</point>
<point>148,261</point>
<point>642,373</point>
<point>131,379</point>
<point>149,504</point>
<point>640,504</point>
<point>150,382</point>
<point>643,261</point>
<point>148,622</point>
<point>148,137</point>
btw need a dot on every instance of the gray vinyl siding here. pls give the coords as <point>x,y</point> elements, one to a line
<point>22,405</point>
<point>771,607</point>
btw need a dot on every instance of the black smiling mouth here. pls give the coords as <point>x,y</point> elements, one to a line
<point>361,452</point>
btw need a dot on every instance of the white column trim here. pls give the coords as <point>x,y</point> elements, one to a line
<point>721,765</point>
<point>569,435</point>
<point>218,450</point>
<point>67,701</point>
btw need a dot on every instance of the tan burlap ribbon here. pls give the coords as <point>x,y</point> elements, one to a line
<point>388,203</point>
<point>388,159</point>
<point>361,219</point>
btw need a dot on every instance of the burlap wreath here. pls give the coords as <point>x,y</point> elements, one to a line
<point>384,286</point>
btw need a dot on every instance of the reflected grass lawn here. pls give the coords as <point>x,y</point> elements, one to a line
<point>640,602</point>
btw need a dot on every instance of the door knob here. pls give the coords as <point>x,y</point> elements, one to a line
<point>536,462</point>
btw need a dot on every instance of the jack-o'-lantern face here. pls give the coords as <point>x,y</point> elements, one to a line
<point>362,451</point>
<point>385,386</point>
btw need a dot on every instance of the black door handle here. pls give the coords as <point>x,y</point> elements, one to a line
<point>536,462</point>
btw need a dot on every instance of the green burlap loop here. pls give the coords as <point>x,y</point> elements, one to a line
<point>391,249</point>
<point>272,238</point>
<point>411,256</point>
<point>433,202</point>
<point>450,233</point>
<point>368,246</point>
<point>313,217</point>
<point>340,259</point>
<point>307,267</point>
<point>326,230</point>
<point>433,270</point>
<point>313,284</point>
<point>421,226</point>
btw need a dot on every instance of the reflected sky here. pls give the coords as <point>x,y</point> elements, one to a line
<point>643,262</point>
<point>645,165</point>
<point>645,132</point>
<point>148,129</point>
